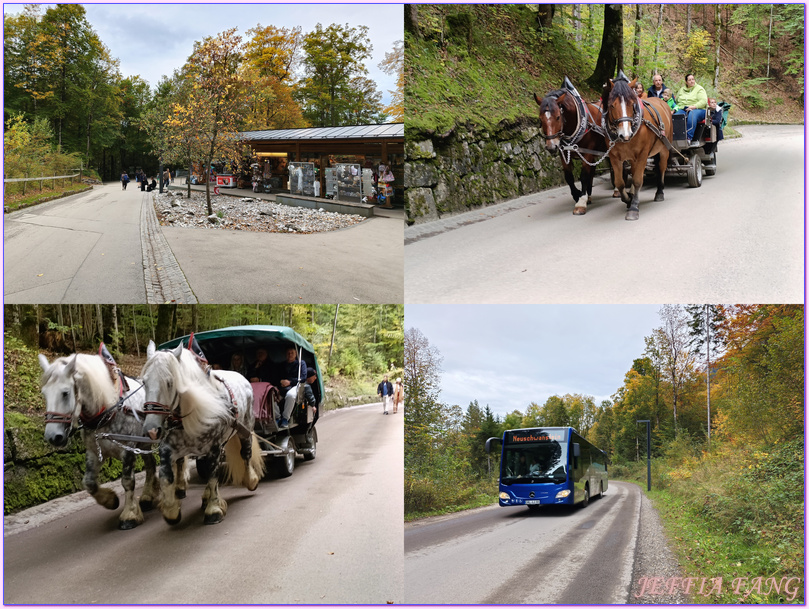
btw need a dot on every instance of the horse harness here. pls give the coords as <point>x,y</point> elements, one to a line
<point>636,120</point>
<point>584,124</point>
<point>102,418</point>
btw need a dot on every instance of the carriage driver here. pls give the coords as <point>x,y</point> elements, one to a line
<point>292,373</point>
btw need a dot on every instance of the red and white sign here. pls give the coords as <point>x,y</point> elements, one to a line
<point>227,181</point>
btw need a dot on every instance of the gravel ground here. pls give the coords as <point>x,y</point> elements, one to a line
<point>255,215</point>
<point>653,558</point>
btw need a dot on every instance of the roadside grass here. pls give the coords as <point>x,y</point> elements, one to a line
<point>473,496</point>
<point>736,513</point>
<point>17,200</point>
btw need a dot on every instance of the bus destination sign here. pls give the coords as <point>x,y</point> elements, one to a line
<point>536,435</point>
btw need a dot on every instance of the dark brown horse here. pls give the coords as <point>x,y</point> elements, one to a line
<point>638,128</point>
<point>569,121</point>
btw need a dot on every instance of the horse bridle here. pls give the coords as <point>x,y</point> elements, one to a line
<point>100,419</point>
<point>636,119</point>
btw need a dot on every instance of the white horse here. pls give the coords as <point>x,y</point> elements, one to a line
<point>193,411</point>
<point>81,392</point>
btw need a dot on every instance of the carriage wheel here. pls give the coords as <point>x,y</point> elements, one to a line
<point>285,464</point>
<point>310,453</point>
<point>711,171</point>
<point>694,172</point>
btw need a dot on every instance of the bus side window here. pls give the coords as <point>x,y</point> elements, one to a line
<point>576,455</point>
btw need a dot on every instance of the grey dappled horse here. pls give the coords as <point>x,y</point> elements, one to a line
<point>195,412</point>
<point>81,392</point>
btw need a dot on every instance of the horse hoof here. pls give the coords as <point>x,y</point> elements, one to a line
<point>632,214</point>
<point>179,493</point>
<point>659,196</point>
<point>146,506</point>
<point>127,525</point>
<point>173,521</point>
<point>579,211</point>
<point>214,518</point>
<point>615,194</point>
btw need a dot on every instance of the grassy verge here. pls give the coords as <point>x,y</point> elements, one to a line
<point>472,495</point>
<point>15,201</point>
<point>736,514</point>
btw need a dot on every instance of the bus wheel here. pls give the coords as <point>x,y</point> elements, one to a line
<point>601,489</point>
<point>586,501</point>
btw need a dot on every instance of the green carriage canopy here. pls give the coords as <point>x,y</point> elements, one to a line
<point>219,345</point>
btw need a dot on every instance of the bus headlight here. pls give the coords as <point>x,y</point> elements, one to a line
<point>505,496</point>
<point>562,494</point>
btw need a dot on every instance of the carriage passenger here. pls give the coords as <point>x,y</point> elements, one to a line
<point>639,90</point>
<point>693,100</point>
<point>292,373</point>
<point>237,364</point>
<point>657,88</point>
<point>666,97</point>
<point>259,371</point>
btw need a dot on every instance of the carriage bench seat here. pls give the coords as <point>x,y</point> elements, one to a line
<point>264,394</point>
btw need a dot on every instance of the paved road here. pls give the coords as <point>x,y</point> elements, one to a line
<point>516,556</point>
<point>106,246</point>
<point>738,238</point>
<point>332,533</point>
<point>83,248</point>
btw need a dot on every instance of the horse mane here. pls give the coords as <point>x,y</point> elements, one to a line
<point>550,100</point>
<point>620,88</point>
<point>92,379</point>
<point>201,405</point>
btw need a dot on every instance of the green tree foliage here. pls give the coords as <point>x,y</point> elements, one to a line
<point>334,58</point>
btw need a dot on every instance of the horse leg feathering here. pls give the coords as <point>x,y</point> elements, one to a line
<point>244,461</point>
<point>170,506</point>
<point>131,516</point>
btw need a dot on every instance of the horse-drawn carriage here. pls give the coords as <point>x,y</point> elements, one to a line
<point>279,444</point>
<point>638,136</point>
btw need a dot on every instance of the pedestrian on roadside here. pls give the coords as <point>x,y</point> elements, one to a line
<point>124,180</point>
<point>167,177</point>
<point>385,391</point>
<point>398,395</point>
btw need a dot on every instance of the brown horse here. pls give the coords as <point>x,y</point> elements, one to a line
<point>637,127</point>
<point>566,121</point>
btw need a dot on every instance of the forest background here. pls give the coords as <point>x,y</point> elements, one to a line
<point>355,345</point>
<point>482,64</point>
<point>67,106</point>
<point>732,502</point>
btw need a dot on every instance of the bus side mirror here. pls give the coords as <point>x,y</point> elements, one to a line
<point>576,455</point>
<point>489,443</point>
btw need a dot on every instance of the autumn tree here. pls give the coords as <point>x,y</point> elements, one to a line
<point>271,57</point>
<point>672,339</point>
<point>215,101</point>
<point>332,58</point>
<point>393,64</point>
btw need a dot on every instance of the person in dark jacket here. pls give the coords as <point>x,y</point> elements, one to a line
<point>657,88</point>
<point>385,391</point>
<point>293,371</point>
<point>259,371</point>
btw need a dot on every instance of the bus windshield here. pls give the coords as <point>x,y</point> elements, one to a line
<point>535,462</point>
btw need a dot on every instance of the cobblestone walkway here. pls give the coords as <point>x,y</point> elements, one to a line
<point>165,281</point>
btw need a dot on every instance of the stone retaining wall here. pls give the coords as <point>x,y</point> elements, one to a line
<point>469,168</point>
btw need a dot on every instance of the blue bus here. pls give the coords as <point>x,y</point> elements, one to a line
<point>549,466</point>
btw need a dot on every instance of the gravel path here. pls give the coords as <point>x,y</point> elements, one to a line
<point>654,559</point>
<point>255,215</point>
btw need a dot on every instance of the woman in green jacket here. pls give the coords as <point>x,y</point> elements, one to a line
<point>693,100</point>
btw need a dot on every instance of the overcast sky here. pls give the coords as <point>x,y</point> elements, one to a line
<point>152,40</point>
<point>508,356</point>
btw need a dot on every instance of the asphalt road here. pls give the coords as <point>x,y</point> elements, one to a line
<point>83,248</point>
<point>91,247</point>
<point>738,238</point>
<point>331,533</point>
<point>515,556</point>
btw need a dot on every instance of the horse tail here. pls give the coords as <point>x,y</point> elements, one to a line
<point>239,472</point>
